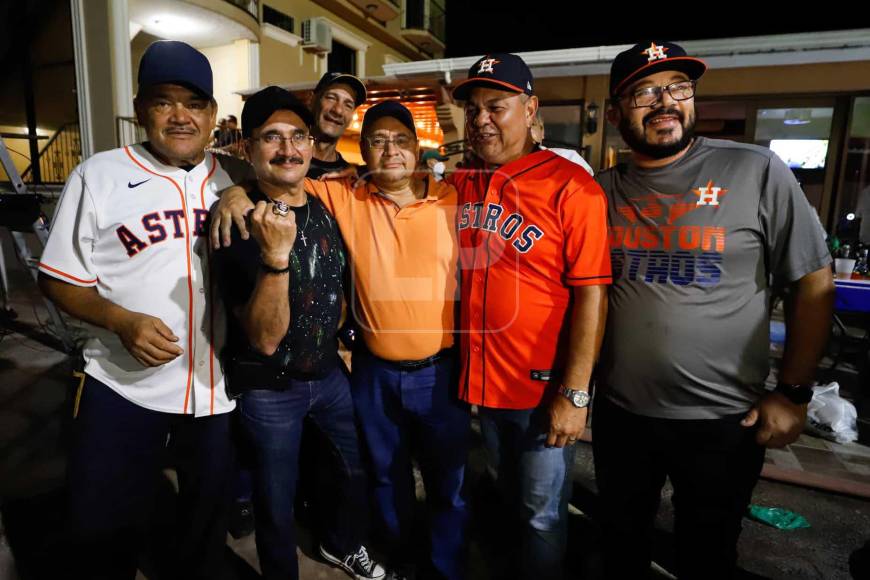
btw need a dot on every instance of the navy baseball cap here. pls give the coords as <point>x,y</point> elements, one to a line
<point>646,58</point>
<point>393,109</point>
<point>499,70</point>
<point>178,63</point>
<point>260,106</point>
<point>332,78</point>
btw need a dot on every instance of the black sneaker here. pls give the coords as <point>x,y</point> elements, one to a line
<point>357,565</point>
<point>241,522</point>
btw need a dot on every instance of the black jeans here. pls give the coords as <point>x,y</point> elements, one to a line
<point>713,466</point>
<point>114,474</point>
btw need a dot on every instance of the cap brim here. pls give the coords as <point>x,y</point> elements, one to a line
<point>463,89</point>
<point>694,67</point>
<point>357,84</point>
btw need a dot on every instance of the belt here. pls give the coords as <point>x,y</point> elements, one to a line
<point>413,365</point>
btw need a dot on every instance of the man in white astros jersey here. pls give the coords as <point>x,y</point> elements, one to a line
<point>128,254</point>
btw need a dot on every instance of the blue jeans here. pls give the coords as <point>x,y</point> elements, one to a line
<point>273,421</point>
<point>534,478</point>
<point>394,408</point>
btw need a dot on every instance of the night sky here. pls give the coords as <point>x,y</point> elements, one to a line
<point>476,27</point>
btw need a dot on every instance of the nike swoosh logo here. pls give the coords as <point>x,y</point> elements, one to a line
<point>131,185</point>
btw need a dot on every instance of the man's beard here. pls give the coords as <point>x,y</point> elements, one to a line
<point>636,140</point>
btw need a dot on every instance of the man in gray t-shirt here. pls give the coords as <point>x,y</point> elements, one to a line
<point>701,233</point>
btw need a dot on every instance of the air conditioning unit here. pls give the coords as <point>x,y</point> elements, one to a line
<point>316,35</point>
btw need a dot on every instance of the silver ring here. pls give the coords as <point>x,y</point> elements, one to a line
<point>281,208</point>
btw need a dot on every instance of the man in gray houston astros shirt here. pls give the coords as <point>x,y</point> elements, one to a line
<point>702,231</point>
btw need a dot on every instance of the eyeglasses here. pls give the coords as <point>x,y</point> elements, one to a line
<point>649,96</point>
<point>400,141</point>
<point>300,141</point>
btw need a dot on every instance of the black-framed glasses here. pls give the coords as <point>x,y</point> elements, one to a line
<point>400,141</point>
<point>299,141</point>
<point>649,96</point>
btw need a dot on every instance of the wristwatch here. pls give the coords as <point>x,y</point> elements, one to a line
<point>579,399</point>
<point>797,394</point>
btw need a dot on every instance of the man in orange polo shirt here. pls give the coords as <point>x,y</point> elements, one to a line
<point>399,230</point>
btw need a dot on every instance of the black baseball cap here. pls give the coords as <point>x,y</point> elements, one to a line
<point>175,62</point>
<point>646,58</point>
<point>332,78</point>
<point>393,109</point>
<point>498,70</point>
<point>260,106</point>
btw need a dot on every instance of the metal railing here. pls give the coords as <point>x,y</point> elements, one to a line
<point>437,20</point>
<point>59,156</point>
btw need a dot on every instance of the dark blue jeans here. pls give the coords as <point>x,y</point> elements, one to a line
<point>536,481</point>
<point>395,408</point>
<point>273,421</point>
<point>114,474</point>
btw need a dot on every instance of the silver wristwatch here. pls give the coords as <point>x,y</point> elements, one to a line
<point>579,399</point>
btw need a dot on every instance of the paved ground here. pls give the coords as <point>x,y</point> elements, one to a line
<point>35,391</point>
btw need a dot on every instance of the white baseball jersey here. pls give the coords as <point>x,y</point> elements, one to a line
<point>136,230</point>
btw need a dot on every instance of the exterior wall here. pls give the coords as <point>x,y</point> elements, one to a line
<point>284,64</point>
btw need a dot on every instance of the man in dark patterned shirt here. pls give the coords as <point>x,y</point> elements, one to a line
<point>283,286</point>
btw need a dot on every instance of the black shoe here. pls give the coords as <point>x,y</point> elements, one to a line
<point>241,519</point>
<point>357,565</point>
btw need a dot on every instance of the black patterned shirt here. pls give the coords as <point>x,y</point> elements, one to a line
<point>317,264</point>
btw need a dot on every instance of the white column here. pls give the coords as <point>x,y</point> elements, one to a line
<point>122,68</point>
<point>82,81</point>
<point>253,65</point>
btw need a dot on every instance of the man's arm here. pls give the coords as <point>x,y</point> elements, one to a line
<point>266,316</point>
<point>145,337</point>
<point>234,205</point>
<point>808,315</point>
<point>588,316</point>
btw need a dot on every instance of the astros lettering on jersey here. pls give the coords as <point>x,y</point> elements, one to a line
<point>136,230</point>
<point>529,231</point>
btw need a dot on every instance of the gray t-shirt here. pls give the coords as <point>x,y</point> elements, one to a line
<point>696,248</point>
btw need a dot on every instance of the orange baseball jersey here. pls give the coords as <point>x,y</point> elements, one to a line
<point>528,232</point>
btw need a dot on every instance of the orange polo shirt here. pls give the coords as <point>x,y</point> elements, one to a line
<point>403,265</point>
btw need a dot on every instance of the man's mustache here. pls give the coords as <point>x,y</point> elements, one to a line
<point>660,112</point>
<point>281,159</point>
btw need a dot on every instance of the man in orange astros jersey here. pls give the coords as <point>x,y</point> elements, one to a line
<point>534,272</point>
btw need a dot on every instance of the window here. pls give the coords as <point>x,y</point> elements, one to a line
<point>341,59</point>
<point>278,18</point>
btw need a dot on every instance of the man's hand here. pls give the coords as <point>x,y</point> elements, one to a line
<point>147,339</point>
<point>276,234</point>
<point>779,421</point>
<point>232,208</point>
<point>567,422</point>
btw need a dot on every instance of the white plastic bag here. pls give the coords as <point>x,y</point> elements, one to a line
<point>831,416</point>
